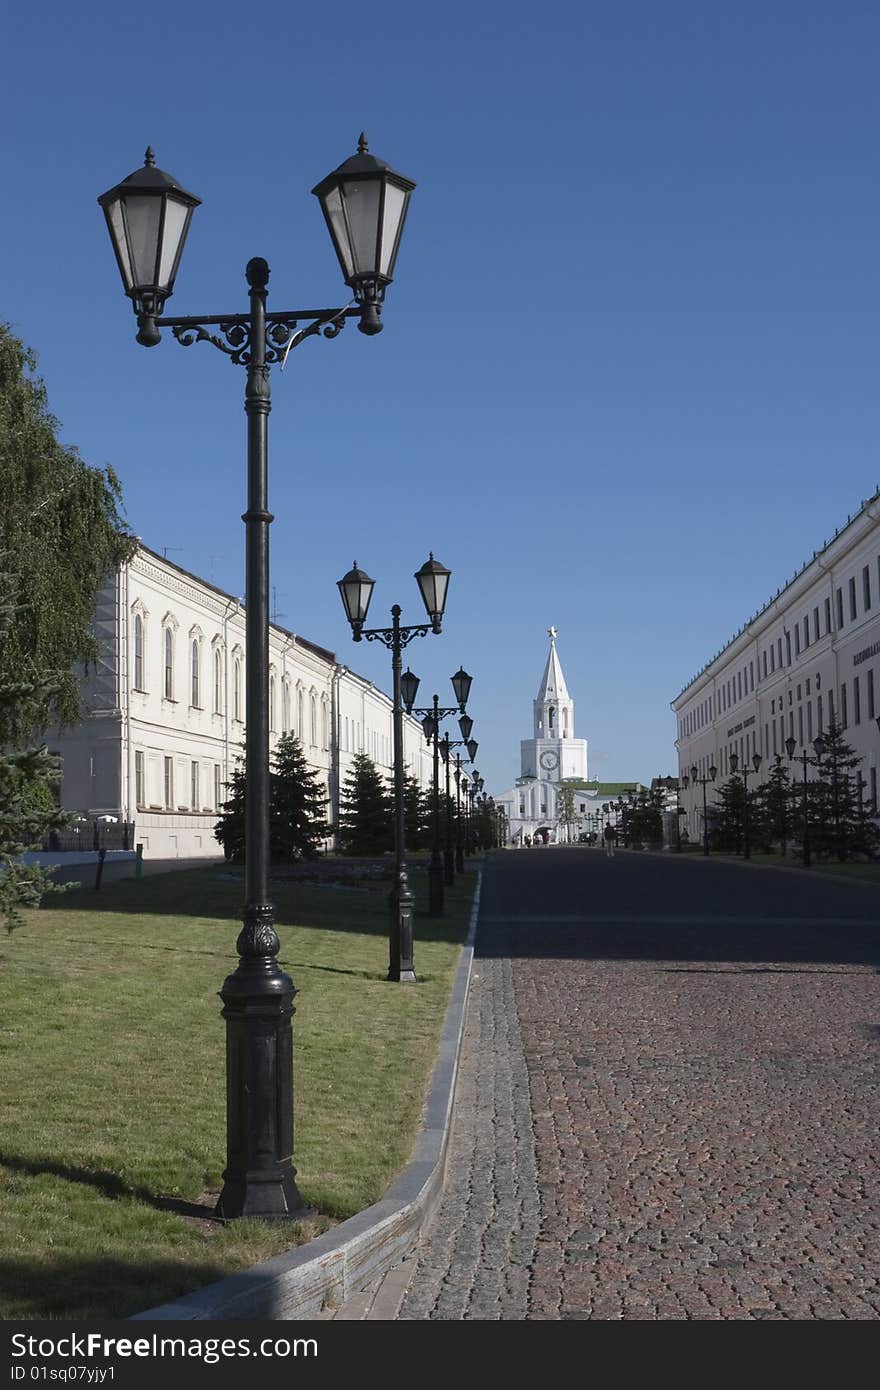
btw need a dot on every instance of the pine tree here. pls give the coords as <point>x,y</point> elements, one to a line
<point>773,814</point>
<point>837,827</point>
<point>297,807</point>
<point>28,810</point>
<point>299,804</point>
<point>727,823</point>
<point>366,823</point>
<point>416,813</point>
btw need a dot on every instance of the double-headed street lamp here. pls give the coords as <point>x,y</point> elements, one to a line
<point>465,723</point>
<point>431,716</point>
<point>745,774</point>
<point>356,590</point>
<point>696,778</point>
<point>818,749</point>
<point>452,852</point>
<point>148,216</point>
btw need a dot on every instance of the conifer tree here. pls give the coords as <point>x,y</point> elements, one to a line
<point>836,825</point>
<point>366,824</point>
<point>297,807</point>
<point>774,812</point>
<point>416,812</point>
<point>727,823</point>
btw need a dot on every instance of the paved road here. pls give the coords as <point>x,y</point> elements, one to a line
<point>668,1098</point>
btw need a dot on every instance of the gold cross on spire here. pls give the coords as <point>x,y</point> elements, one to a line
<point>551,633</point>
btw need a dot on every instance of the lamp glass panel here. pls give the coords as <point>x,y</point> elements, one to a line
<point>465,724</point>
<point>116,218</point>
<point>143,214</point>
<point>392,221</point>
<point>336,217</point>
<point>433,586</point>
<point>362,210</point>
<point>173,234</point>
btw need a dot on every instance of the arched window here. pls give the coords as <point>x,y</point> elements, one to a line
<point>218,680</point>
<point>314,721</point>
<point>138,652</point>
<point>299,715</point>
<point>271,702</point>
<point>168,643</point>
<point>285,709</point>
<point>194,672</point>
<point>325,742</point>
<point>236,688</point>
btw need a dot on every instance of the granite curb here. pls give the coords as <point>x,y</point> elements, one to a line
<point>334,1267</point>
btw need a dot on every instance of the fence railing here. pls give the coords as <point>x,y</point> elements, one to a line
<point>92,835</point>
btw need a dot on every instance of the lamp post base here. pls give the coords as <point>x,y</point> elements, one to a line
<point>260,1179</point>
<point>400,935</point>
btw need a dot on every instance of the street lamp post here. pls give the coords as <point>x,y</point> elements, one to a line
<point>746,772</point>
<point>431,717</point>
<point>356,589</point>
<point>818,749</point>
<point>148,216</point>
<point>696,778</point>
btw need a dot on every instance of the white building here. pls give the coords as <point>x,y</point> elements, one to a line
<point>166,709</point>
<point>811,652</point>
<point>552,756</point>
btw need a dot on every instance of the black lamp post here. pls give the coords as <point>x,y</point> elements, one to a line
<point>453,853</point>
<point>356,589</point>
<point>431,717</point>
<point>818,749</point>
<point>685,782</point>
<point>746,773</point>
<point>148,217</point>
<point>696,778</point>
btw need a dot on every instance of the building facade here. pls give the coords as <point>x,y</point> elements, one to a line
<point>810,654</point>
<point>166,710</point>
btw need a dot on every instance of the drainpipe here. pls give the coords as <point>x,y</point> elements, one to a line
<point>233,606</point>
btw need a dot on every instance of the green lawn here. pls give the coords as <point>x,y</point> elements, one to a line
<point>112,1103</point>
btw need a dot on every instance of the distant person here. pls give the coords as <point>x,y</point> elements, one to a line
<point>609,837</point>
<point>528,842</point>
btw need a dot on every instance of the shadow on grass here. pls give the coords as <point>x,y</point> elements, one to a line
<point>218,893</point>
<point>108,1184</point>
<point>76,1287</point>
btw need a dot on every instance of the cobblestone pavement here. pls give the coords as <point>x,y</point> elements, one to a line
<point>699,1043</point>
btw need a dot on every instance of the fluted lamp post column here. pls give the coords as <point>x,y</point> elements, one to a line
<point>356,590</point>
<point>819,750</point>
<point>746,772</point>
<point>696,778</point>
<point>148,217</point>
<point>431,717</point>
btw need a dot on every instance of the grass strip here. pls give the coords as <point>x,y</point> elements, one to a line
<point>112,1057</point>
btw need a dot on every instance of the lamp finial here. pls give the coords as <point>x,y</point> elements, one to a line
<point>149,157</point>
<point>363,148</point>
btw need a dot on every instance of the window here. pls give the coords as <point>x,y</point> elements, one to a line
<point>806,632</point>
<point>138,652</point>
<point>797,640</point>
<point>300,722</point>
<point>285,710</point>
<point>169,784</point>
<point>168,686</point>
<point>216,786</point>
<point>787,649</point>
<point>271,703</point>
<point>765,663</point>
<point>815,624</point>
<point>840,608</point>
<point>852,600</point>
<point>139,788</point>
<point>870,681</point>
<point>843,710</point>
<point>866,587</point>
<point>313,722</point>
<point>801,725</point>
<point>810,721</point>
<point>857,701</point>
<point>236,688</point>
<point>194,797</point>
<point>194,660</point>
<point>325,727</point>
<point>218,680</point>
<point>819,713</point>
<point>827,616</point>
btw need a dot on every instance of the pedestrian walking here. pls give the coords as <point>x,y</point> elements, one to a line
<point>609,840</point>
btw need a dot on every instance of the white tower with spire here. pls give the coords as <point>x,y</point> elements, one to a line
<point>554,754</point>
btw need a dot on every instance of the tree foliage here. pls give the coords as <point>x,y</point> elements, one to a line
<point>297,807</point>
<point>366,823</point>
<point>61,533</point>
<point>839,825</point>
<point>28,808</point>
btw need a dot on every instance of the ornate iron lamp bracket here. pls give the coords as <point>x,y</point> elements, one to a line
<point>283,332</point>
<point>401,637</point>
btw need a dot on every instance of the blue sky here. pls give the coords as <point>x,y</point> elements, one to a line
<point>628,378</point>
